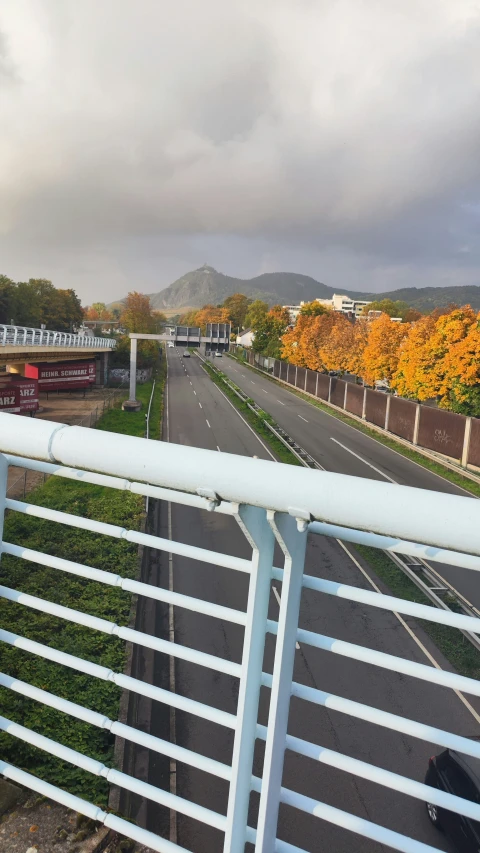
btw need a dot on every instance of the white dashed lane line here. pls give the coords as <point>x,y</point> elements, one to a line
<point>303,419</point>
<point>279,401</point>
<point>208,424</point>
<point>200,405</point>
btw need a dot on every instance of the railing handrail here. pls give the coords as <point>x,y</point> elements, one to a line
<point>26,336</point>
<point>429,518</point>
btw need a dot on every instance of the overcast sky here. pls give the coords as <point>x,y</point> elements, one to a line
<point>336,138</point>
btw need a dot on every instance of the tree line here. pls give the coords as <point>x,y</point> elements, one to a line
<point>434,356</point>
<point>423,357</point>
<point>36,302</point>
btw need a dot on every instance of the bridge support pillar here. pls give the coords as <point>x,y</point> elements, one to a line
<point>132,404</point>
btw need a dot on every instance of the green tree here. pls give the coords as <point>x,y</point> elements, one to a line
<point>256,311</point>
<point>137,314</point>
<point>237,307</point>
<point>313,309</point>
<point>6,291</point>
<point>393,308</point>
<point>269,331</point>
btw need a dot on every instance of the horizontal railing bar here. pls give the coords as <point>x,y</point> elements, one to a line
<point>129,634</point>
<point>179,753</point>
<point>398,546</point>
<point>114,777</point>
<point>126,682</point>
<point>386,778</point>
<point>444,521</point>
<point>198,605</point>
<point>396,605</point>
<point>383,718</point>
<point>391,662</point>
<point>70,801</point>
<point>168,545</point>
<point>355,824</point>
<point>120,483</point>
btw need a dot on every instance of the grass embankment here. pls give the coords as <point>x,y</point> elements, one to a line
<point>255,421</point>
<point>430,464</point>
<point>452,643</point>
<point>103,552</point>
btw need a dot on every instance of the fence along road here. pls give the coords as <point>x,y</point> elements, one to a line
<point>341,448</point>
<point>198,414</point>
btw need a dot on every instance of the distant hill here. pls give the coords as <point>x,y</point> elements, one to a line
<point>206,285</point>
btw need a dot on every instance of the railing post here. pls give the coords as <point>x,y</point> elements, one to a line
<point>466,442</point>
<point>345,395</point>
<point>316,384</point>
<point>253,522</point>
<point>292,540</point>
<point>416,425</point>
<point>387,411</point>
<point>329,388</point>
<point>364,406</point>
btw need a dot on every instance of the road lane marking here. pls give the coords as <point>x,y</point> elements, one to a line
<point>265,392</point>
<point>275,592</point>
<point>253,383</point>
<point>363,460</point>
<point>303,419</point>
<point>279,401</point>
<point>409,631</point>
<point>208,424</point>
<point>246,423</point>
<point>218,449</point>
<point>191,383</point>
<point>200,405</point>
<point>195,393</point>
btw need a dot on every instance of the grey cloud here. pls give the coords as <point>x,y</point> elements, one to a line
<point>300,131</point>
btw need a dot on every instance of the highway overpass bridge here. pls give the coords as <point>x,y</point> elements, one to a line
<point>20,345</point>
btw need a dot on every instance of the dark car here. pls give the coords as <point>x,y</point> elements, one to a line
<point>460,775</point>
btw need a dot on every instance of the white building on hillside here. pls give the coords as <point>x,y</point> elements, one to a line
<point>294,311</point>
<point>338,302</point>
<point>345,304</point>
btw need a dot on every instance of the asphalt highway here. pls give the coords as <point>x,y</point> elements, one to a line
<point>199,415</point>
<point>336,446</point>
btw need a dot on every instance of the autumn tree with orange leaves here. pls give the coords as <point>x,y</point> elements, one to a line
<point>382,352</point>
<point>440,359</point>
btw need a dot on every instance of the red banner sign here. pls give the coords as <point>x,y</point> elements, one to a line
<point>62,377</point>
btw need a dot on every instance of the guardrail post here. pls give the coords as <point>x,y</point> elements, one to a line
<point>253,522</point>
<point>293,543</point>
<point>345,396</point>
<point>329,388</point>
<point>364,406</point>
<point>387,411</point>
<point>466,442</point>
<point>416,425</point>
<point>316,385</point>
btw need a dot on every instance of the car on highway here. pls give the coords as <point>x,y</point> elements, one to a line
<point>460,775</point>
<point>171,344</point>
<point>186,354</point>
<point>218,355</point>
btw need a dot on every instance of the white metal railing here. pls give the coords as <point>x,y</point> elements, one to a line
<point>271,504</point>
<point>23,336</point>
